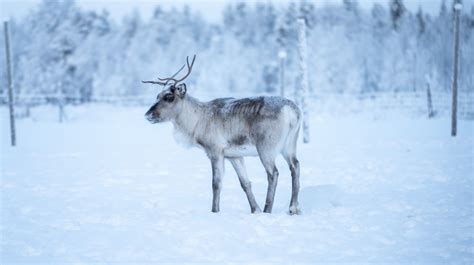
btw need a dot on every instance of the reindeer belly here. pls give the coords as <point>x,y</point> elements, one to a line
<point>240,145</point>
<point>240,150</point>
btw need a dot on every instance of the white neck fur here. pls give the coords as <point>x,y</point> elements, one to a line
<point>187,121</point>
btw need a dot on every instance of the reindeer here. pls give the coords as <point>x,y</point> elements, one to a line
<point>228,128</point>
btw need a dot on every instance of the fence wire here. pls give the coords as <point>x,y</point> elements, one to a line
<point>413,102</point>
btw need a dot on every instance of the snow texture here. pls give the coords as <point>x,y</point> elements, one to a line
<point>106,186</point>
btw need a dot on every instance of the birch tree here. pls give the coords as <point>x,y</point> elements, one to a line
<point>303,76</point>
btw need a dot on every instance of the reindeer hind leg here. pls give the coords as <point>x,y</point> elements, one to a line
<point>289,153</point>
<point>239,166</point>
<point>267,157</point>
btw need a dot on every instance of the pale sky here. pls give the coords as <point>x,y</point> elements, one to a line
<point>210,9</point>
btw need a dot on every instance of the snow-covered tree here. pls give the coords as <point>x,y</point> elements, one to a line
<point>397,10</point>
<point>84,55</point>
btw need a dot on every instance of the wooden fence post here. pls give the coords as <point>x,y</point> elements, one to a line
<point>457,10</point>
<point>10,83</point>
<point>431,113</point>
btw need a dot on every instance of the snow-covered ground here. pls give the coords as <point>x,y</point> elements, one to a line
<point>107,186</point>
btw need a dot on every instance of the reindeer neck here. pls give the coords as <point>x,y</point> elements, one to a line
<point>187,121</point>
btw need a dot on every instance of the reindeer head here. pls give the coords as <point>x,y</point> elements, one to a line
<point>169,101</point>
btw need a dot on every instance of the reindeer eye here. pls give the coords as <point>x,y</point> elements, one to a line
<point>168,98</point>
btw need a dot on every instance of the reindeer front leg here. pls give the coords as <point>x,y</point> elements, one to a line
<point>217,162</point>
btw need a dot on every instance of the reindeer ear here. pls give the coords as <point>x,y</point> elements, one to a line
<point>180,90</point>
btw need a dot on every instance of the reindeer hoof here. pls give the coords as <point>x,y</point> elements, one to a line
<point>257,210</point>
<point>294,210</point>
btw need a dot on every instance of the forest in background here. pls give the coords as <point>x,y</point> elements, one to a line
<point>61,49</point>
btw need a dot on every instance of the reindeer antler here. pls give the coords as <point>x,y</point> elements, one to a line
<point>164,83</point>
<point>190,68</point>
<point>166,80</point>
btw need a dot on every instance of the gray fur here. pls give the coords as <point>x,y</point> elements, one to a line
<point>228,128</point>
